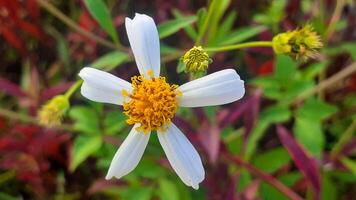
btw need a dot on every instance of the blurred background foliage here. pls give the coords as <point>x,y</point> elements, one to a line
<point>291,137</point>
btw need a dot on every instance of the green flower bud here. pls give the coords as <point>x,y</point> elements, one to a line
<point>52,112</point>
<point>196,60</point>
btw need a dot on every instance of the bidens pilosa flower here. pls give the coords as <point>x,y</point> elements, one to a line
<point>150,103</point>
<point>302,43</point>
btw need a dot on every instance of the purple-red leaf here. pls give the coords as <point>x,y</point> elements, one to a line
<point>11,88</point>
<point>302,160</point>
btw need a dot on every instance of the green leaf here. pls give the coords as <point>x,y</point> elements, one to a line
<point>180,66</point>
<point>242,34</point>
<point>272,160</point>
<point>218,8</point>
<point>316,110</point>
<point>350,164</point>
<point>7,176</point>
<point>101,14</point>
<point>310,134</point>
<point>86,119</point>
<point>201,15</point>
<point>191,32</point>
<point>227,24</point>
<point>114,122</point>
<point>270,193</point>
<point>84,146</point>
<point>167,190</point>
<point>165,49</point>
<point>170,27</point>
<point>256,134</point>
<point>110,61</point>
<point>285,68</point>
<point>149,169</point>
<point>329,188</point>
<point>137,193</point>
<point>5,196</point>
<point>244,180</point>
<point>313,70</point>
<point>276,114</point>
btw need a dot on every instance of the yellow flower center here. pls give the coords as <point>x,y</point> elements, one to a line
<point>152,103</point>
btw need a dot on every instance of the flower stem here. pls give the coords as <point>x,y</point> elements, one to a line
<point>73,88</point>
<point>70,23</point>
<point>240,46</point>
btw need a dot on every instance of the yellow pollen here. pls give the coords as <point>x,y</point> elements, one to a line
<point>152,103</point>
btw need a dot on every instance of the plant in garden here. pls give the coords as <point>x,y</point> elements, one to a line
<point>150,103</point>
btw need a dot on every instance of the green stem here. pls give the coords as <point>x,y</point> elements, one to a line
<point>345,137</point>
<point>240,46</point>
<point>73,88</point>
<point>202,32</point>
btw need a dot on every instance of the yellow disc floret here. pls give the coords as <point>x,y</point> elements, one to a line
<point>152,103</point>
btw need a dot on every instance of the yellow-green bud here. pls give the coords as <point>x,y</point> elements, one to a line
<point>300,44</point>
<point>52,112</point>
<point>196,60</point>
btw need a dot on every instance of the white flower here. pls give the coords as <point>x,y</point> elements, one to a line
<point>150,103</point>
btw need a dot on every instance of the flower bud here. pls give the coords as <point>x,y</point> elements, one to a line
<point>300,44</point>
<point>196,60</point>
<point>52,112</point>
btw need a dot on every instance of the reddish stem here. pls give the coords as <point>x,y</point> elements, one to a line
<point>266,177</point>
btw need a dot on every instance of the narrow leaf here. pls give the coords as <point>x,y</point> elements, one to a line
<point>242,34</point>
<point>110,61</point>
<point>302,160</point>
<point>170,27</point>
<point>100,12</point>
<point>83,148</point>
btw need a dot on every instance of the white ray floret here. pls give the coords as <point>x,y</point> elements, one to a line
<point>144,41</point>
<point>183,157</point>
<point>103,87</point>
<point>129,154</point>
<point>219,88</point>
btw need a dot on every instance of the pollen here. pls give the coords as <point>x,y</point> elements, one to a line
<point>152,103</point>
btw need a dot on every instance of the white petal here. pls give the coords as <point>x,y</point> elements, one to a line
<point>144,41</point>
<point>129,154</point>
<point>183,157</point>
<point>218,88</point>
<point>103,87</point>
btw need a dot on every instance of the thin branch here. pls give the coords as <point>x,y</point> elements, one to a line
<point>349,70</point>
<point>345,137</point>
<point>70,23</point>
<point>266,177</point>
<point>28,119</point>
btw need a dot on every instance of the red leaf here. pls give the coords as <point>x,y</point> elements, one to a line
<point>12,38</point>
<point>302,160</point>
<point>11,88</point>
<point>31,29</point>
<point>32,8</point>
<point>266,68</point>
